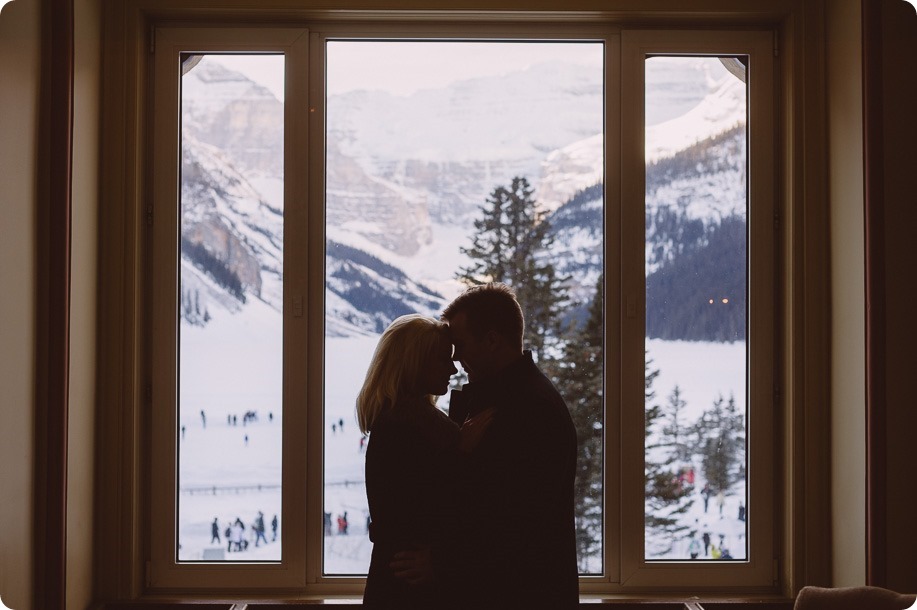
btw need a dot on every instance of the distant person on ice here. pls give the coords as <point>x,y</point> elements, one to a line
<point>411,446</point>
<point>238,531</point>
<point>214,532</point>
<point>518,456</point>
<point>694,548</point>
<point>259,529</point>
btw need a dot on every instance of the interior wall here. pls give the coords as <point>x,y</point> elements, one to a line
<point>20,65</point>
<point>84,218</point>
<point>848,328</point>
<point>899,83</point>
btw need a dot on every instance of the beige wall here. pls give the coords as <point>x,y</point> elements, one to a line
<point>83,302</point>
<point>20,58</point>
<point>848,377</point>
<point>20,63</point>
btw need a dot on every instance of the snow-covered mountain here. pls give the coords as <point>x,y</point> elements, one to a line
<point>437,153</point>
<point>687,194</point>
<point>405,171</point>
<point>228,111</point>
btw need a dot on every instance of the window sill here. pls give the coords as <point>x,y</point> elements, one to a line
<point>352,602</point>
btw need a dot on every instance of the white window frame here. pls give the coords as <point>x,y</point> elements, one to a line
<point>758,570</point>
<point>609,36</point>
<point>165,571</point>
<point>301,568</point>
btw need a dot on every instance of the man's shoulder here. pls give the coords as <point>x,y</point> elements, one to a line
<point>538,402</point>
<point>537,384</point>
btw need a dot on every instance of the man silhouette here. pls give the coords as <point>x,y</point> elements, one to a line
<point>514,543</point>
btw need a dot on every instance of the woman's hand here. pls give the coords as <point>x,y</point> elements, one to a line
<point>473,429</point>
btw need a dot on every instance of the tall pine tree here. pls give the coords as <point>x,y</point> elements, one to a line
<point>510,245</point>
<point>721,443</point>
<point>674,428</point>
<point>580,379</point>
<point>667,497</point>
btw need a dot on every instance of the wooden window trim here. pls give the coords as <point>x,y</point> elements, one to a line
<point>802,535</point>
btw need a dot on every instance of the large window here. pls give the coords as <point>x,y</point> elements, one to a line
<point>311,186</point>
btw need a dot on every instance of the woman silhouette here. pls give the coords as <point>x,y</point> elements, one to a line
<point>410,456</point>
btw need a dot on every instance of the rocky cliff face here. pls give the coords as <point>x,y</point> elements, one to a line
<point>389,214</point>
<point>454,145</point>
<point>243,120</point>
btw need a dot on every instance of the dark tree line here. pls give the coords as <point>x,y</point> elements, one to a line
<point>701,294</point>
<point>214,267</point>
<point>671,235</point>
<point>692,262</point>
<point>374,287</point>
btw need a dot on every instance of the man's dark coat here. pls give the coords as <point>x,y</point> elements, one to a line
<point>515,543</point>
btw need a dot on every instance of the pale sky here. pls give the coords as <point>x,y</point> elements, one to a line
<point>402,68</point>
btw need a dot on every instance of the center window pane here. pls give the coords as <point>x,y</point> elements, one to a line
<point>422,138</point>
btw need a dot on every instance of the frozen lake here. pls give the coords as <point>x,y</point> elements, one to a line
<point>220,472</point>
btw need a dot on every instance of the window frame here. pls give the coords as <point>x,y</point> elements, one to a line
<point>610,36</point>
<point>761,240</point>
<point>165,571</point>
<point>802,538</point>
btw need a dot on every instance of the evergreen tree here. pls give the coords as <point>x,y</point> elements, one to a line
<point>580,380</point>
<point>721,440</point>
<point>673,428</point>
<point>510,245</point>
<point>667,499</point>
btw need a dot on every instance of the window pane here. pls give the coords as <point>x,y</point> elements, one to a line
<point>230,354</point>
<point>419,137</point>
<point>696,309</point>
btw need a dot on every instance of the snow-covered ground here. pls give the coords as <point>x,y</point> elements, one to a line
<point>232,381</point>
<point>703,373</point>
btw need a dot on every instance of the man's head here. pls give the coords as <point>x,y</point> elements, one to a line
<point>486,325</point>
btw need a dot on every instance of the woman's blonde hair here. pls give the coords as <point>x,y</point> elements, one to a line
<point>394,371</point>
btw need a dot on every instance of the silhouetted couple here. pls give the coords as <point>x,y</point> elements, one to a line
<point>474,509</point>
